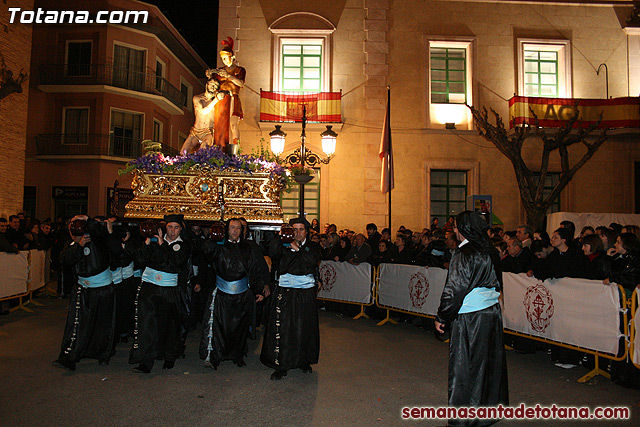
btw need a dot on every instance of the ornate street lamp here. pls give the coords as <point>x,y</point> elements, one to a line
<point>302,156</point>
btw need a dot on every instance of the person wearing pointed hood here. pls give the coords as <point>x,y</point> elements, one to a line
<point>469,307</point>
<point>292,336</point>
<point>158,302</point>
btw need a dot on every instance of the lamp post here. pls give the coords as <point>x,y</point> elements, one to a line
<point>302,156</point>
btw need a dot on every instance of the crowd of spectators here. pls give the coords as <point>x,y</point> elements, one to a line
<point>429,247</point>
<point>610,254</point>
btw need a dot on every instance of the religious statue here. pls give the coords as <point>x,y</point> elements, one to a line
<point>227,113</point>
<point>201,133</point>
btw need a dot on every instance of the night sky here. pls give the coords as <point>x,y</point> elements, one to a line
<point>197,21</point>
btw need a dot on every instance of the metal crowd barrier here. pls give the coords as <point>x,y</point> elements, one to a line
<point>337,280</point>
<point>21,275</point>
<point>418,289</point>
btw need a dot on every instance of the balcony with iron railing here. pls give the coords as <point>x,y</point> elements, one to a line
<point>92,145</point>
<point>104,74</point>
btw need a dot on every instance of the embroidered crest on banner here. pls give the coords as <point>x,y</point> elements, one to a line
<point>327,277</point>
<point>418,289</point>
<point>538,306</point>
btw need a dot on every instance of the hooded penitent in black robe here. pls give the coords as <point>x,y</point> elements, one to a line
<point>89,331</point>
<point>158,317</point>
<point>477,363</point>
<point>126,285</point>
<point>292,336</point>
<point>228,316</point>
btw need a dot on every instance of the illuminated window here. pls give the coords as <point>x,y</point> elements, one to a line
<point>544,68</point>
<point>448,75</point>
<point>301,68</point>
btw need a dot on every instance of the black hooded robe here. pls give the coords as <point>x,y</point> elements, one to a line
<point>228,316</point>
<point>292,334</point>
<point>477,361</point>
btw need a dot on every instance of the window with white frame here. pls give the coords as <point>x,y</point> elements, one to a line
<point>302,64</point>
<point>76,125</point>
<point>450,72</point>
<point>186,94</point>
<point>157,130</point>
<point>126,133</point>
<point>544,68</point>
<point>160,70</point>
<point>78,58</point>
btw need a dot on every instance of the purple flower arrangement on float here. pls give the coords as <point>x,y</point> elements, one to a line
<point>154,162</point>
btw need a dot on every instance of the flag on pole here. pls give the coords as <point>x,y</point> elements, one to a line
<point>386,154</point>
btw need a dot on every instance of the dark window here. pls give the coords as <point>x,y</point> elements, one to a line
<point>448,193</point>
<point>76,125</point>
<point>78,58</point>
<point>126,131</point>
<point>184,95</point>
<point>159,76</point>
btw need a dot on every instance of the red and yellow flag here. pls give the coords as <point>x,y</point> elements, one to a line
<point>555,112</point>
<point>322,107</point>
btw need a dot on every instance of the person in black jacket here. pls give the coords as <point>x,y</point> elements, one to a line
<point>564,261</point>
<point>599,263</point>
<point>469,307</point>
<point>292,335</point>
<point>625,262</point>
<point>518,259</point>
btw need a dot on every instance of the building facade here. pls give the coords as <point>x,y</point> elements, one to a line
<point>436,56</point>
<point>15,52</point>
<point>97,91</point>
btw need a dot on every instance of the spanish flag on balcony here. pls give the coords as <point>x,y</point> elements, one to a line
<point>322,107</point>
<point>555,112</point>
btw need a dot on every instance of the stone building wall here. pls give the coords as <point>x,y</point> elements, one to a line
<point>15,47</point>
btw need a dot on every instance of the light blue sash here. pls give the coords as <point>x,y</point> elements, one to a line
<point>235,287</point>
<point>160,278</point>
<point>116,275</point>
<point>127,271</point>
<point>479,299</point>
<point>297,282</point>
<point>97,281</point>
<point>137,273</point>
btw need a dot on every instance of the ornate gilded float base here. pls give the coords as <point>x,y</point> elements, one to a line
<point>196,195</point>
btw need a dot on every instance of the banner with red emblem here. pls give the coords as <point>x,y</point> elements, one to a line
<point>411,288</point>
<point>581,312</point>
<point>342,281</point>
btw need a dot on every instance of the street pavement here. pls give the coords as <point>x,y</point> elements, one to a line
<point>365,376</point>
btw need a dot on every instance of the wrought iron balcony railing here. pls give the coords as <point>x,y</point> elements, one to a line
<point>101,74</point>
<point>92,145</point>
